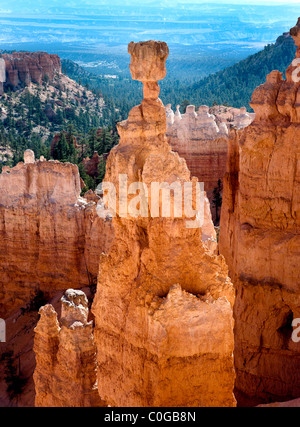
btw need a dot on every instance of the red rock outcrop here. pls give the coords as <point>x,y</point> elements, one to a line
<point>22,68</point>
<point>203,141</point>
<point>259,237</point>
<point>163,307</point>
<point>66,366</point>
<point>91,165</point>
<point>49,235</point>
<point>57,137</point>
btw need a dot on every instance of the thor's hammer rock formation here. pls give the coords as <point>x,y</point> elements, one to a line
<point>163,307</point>
<point>259,237</point>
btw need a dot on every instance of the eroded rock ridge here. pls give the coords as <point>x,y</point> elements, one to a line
<point>259,237</point>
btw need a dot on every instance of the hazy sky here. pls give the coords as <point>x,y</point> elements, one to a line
<point>240,23</point>
<point>12,4</point>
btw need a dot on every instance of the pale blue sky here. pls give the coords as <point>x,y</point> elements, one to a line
<point>5,5</point>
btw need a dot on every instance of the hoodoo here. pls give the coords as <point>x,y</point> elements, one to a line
<point>65,373</point>
<point>260,240</point>
<point>163,307</point>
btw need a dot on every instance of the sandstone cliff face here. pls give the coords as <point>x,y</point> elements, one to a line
<point>163,307</point>
<point>66,367</point>
<point>49,235</point>
<point>259,238</point>
<point>22,68</point>
<point>201,138</point>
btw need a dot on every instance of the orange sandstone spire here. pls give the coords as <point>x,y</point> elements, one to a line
<point>163,307</point>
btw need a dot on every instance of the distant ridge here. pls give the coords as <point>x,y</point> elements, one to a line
<point>235,84</point>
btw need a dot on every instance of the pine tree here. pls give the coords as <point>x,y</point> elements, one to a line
<point>61,150</point>
<point>101,170</point>
<point>184,104</point>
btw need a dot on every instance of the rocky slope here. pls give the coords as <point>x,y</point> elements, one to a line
<point>54,101</point>
<point>234,85</point>
<point>163,307</point>
<point>49,235</point>
<point>259,237</point>
<point>19,69</point>
<point>38,101</point>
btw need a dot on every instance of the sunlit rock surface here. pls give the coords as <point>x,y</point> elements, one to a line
<point>259,237</point>
<point>49,235</point>
<point>163,307</point>
<point>65,352</point>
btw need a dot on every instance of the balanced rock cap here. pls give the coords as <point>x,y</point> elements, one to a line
<point>148,60</point>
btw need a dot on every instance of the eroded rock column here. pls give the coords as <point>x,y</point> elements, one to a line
<point>163,307</point>
<point>65,374</point>
<point>259,237</point>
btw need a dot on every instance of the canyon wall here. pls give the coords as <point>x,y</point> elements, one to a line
<point>49,235</point>
<point>66,366</point>
<point>163,307</point>
<point>201,138</point>
<point>22,68</point>
<point>259,237</point>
